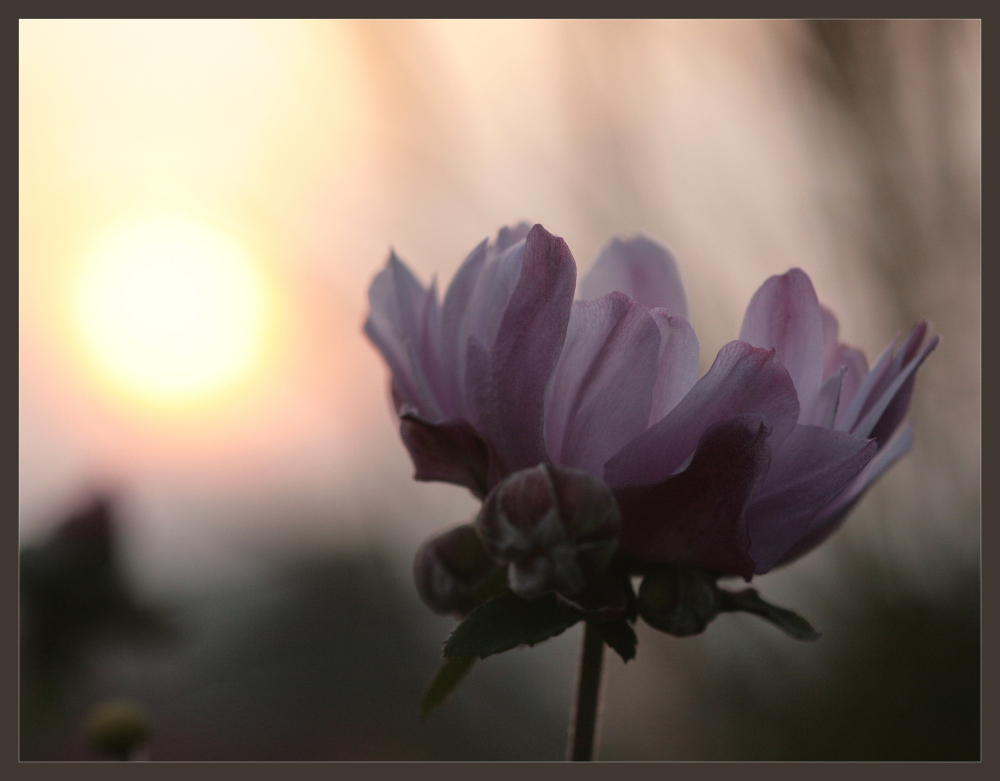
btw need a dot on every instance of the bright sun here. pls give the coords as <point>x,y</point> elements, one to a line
<point>173,310</point>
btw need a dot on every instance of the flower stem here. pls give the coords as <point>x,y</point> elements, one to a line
<point>583,722</point>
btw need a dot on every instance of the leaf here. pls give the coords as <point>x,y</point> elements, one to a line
<point>448,676</point>
<point>507,622</point>
<point>619,636</point>
<point>749,601</point>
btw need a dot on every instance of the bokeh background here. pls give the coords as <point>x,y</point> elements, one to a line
<point>226,541</point>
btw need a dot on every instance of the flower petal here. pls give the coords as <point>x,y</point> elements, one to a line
<point>888,411</point>
<point>743,380</point>
<point>641,267</point>
<point>600,392</point>
<point>454,312</point>
<point>451,451</point>
<point>812,467</point>
<point>678,363</point>
<point>506,375</point>
<point>833,514</point>
<point>395,325</point>
<point>785,314</point>
<point>698,518</point>
<point>824,407</point>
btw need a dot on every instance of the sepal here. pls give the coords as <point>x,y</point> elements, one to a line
<point>508,621</point>
<point>749,601</point>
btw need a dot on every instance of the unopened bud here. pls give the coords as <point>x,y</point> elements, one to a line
<point>678,600</point>
<point>449,569</point>
<point>118,728</point>
<point>556,528</point>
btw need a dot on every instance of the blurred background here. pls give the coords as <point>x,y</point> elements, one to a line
<point>216,515</point>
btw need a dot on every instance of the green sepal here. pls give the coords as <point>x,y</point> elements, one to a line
<point>619,636</point>
<point>749,601</point>
<point>508,621</point>
<point>451,672</point>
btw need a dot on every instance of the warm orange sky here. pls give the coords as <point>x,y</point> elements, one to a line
<point>291,154</point>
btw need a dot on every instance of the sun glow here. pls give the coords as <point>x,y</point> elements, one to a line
<point>173,311</point>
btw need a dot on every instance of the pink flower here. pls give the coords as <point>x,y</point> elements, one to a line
<point>738,471</point>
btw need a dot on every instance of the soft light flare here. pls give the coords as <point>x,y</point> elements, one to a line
<point>172,311</point>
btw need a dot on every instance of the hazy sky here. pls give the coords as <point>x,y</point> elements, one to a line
<point>288,156</point>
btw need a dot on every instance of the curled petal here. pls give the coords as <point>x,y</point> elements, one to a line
<point>743,380</point>
<point>451,451</point>
<point>698,517</point>
<point>812,467</point>
<point>450,569</point>
<point>600,392</point>
<point>640,267</point>
<point>883,397</point>
<point>881,420</point>
<point>784,314</point>
<point>832,515</point>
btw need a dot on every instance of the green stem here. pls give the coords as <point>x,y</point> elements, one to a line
<point>583,722</point>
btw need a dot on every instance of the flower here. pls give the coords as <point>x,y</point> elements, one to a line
<point>509,382</point>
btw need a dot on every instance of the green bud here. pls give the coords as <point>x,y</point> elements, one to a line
<point>118,728</point>
<point>680,601</point>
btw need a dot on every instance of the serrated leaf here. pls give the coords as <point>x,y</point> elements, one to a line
<point>448,676</point>
<point>789,622</point>
<point>507,622</point>
<point>619,636</point>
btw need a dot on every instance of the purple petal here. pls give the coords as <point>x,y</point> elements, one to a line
<point>831,345</point>
<point>600,392</point>
<point>398,308</point>
<point>698,518</point>
<point>454,311</point>
<point>785,314</point>
<point>743,380</point>
<point>458,317</point>
<point>892,403</point>
<point>849,414</point>
<point>451,451</point>
<point>678,363</point>
<point>641,267</point>
<point>833,514</point>
<point>823,411</point>
<point>508,236</point>
<point>856,365</point>
<point>812,467</point>
<point>506,376</point>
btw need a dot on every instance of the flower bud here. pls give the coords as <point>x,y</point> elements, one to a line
<point>450,568</point>
<point>118,728</point>
<point>556,528</point>
<point>678,600</point>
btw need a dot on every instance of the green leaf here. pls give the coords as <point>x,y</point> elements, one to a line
<point>619,636</point>
<point>749,601</point>
<point>449,675</point>
<point>507,622</point>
